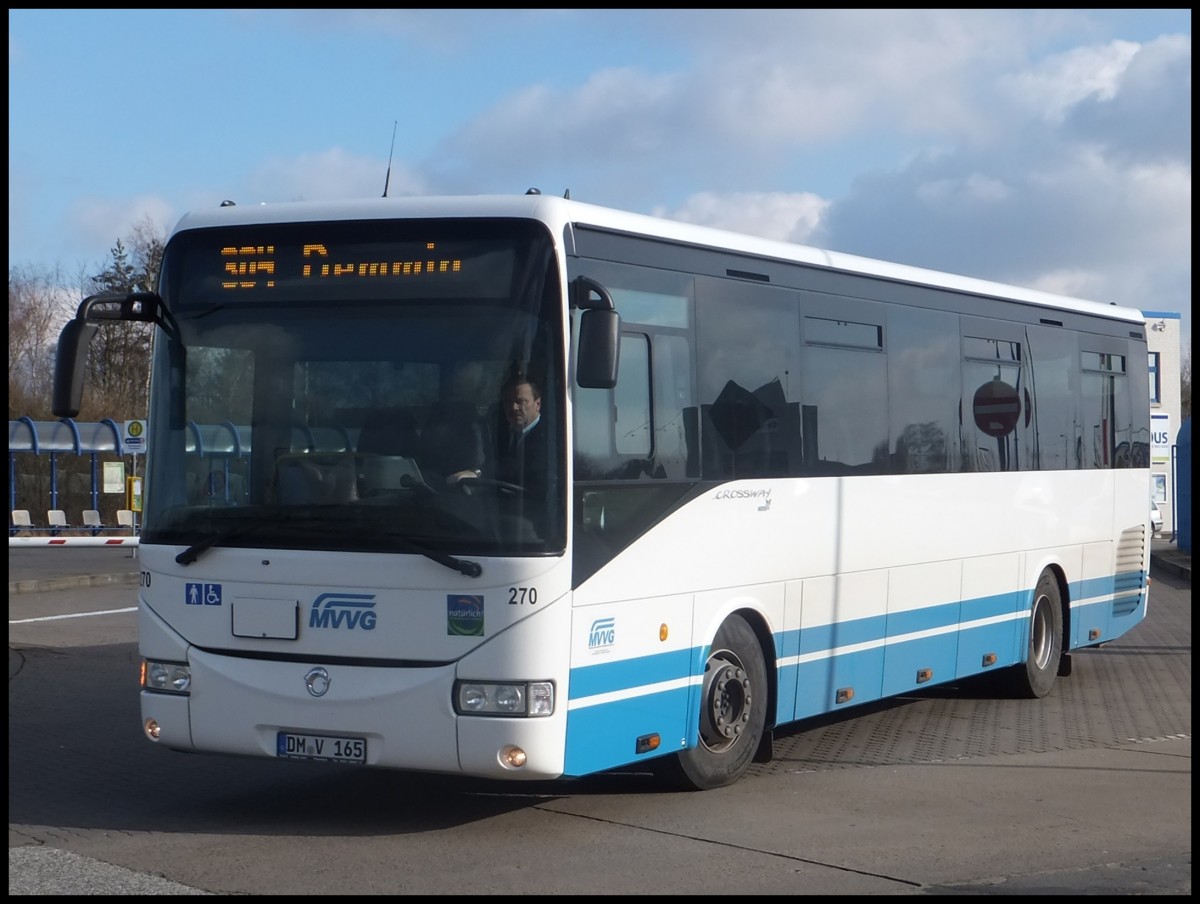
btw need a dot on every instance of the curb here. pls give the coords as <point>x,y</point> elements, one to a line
<point>70,583</point>
<point>1177,568</point>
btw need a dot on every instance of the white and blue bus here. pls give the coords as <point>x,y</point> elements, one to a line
<point>777,482</point>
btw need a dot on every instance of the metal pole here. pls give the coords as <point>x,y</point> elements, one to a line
<point>1174,495</point>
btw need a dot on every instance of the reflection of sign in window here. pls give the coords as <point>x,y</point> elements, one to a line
<point>997,408</point>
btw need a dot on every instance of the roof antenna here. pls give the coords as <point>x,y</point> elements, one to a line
<point>388,177</point>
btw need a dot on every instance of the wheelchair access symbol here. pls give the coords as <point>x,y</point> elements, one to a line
<point>196,594</point>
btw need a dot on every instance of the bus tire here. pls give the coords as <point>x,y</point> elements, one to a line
<point>1035,677</point>
<point>733,712</point>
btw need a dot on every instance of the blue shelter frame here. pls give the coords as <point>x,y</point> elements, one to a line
<point>56,437</point>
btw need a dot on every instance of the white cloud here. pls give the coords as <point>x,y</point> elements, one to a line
<point>102,222</point>
<point>1058,83</point>
<point>973,192</point>
<point>774,215</point>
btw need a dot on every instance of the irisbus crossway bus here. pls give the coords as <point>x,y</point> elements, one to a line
<point>778,482</point>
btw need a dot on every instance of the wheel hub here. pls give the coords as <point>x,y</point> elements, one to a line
<point>727,702</point>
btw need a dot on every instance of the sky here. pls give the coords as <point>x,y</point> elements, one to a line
<point>1043,148</point>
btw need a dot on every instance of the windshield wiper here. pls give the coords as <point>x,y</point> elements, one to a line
<point>189,555</point>
<point>464,566</point>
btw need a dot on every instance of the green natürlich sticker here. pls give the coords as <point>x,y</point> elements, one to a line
<point>464,615</point>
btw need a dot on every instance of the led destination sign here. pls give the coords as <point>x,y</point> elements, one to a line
<point>256,266</point>
<point>348,260</point>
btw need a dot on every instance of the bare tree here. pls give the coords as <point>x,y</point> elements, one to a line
<point>41,301</point>
<point>146,243</point>
<point>38,305</point>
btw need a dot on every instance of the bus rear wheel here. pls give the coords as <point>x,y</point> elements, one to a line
<point>733,711</point>
<point>1035,677</point>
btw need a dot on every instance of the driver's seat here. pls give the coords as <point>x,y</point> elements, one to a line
<point>389,431</point>
<point>451,440</point>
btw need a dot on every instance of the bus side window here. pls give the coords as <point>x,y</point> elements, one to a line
<point>748,379</point>
<point>613,427</point>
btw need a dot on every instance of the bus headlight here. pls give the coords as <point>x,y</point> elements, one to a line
<point>494,698</point>
<point>166,677</point>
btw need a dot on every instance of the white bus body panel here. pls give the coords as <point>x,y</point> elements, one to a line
<point>390,683</point>
<point>866,587</point>
<point>811,527</point>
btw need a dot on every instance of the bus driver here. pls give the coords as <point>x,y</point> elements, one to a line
<point>521,453</point>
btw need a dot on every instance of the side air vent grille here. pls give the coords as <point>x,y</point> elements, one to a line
<point>1130,570</point>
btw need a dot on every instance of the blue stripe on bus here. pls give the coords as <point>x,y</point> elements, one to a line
<point>825,638</point>
<point>822,638</point>
<point>624,674</point>
<point>602,735</point>
<point>1107,586</point>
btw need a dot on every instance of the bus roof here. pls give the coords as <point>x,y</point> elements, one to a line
<point>557,213</point>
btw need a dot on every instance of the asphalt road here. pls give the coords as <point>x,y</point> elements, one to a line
<point>944,792</point>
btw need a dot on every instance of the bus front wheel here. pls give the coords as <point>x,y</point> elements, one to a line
<point>733,711</point>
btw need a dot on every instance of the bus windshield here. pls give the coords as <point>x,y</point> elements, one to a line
<point>338,385</point>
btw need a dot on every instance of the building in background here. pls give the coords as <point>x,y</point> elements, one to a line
<point>1165,348</point>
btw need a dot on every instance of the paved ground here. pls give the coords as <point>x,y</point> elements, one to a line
<point>920,796</point>
<point>38,568</point>
<point>1167,555</point>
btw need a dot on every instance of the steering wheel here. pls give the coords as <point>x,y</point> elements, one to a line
<point>470,482</point>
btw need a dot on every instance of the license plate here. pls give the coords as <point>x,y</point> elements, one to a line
<point>321,747</point>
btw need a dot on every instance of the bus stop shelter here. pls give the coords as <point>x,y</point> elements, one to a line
<point>56,438</point>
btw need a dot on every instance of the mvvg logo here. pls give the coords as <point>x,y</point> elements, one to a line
<point>603,633</point>
<point>348,610</point>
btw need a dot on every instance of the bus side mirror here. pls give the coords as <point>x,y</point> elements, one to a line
<point>70,365</point>
<point>599,334</point>
<point>596,361</point>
